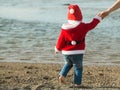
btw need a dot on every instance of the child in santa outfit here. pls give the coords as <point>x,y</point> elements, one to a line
<point>72,43</point>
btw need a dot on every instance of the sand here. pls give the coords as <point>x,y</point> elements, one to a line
<point>32,76</point>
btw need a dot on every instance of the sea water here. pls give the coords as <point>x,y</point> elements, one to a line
<point>29,30</point>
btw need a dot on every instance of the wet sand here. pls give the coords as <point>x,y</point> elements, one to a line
<point>29,76</point>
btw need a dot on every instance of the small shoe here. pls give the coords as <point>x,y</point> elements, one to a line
<point>76,86</point>
<point>62,79</point>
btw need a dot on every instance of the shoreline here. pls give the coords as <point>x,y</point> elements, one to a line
<point>39,76</point>
<point>54,62</point>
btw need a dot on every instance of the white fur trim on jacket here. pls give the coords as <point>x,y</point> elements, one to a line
<point>71,24</point>
<point>98,17</point>
<point>56,50</point>
<point>73,52</point>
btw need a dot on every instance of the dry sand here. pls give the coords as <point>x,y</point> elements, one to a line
<point>29,76</point>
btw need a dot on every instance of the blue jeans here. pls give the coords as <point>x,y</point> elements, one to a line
<point>75,61</point>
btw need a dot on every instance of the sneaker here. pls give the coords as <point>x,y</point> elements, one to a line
<point>62,79</point>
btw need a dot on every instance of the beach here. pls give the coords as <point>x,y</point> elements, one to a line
<point>37,76</point>
<point>28,33</point>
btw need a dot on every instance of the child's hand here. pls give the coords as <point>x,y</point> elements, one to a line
<point>56,50</point>
<point>100,15</point>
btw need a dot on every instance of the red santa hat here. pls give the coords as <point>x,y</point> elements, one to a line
<point>74,13</point>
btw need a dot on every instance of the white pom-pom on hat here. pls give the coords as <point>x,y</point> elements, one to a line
<point>71,11</point>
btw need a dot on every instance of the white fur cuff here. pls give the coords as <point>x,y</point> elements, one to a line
<point>56,50</point>
<point>98,17</point>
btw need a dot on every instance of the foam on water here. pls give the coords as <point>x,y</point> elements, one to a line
<point>29,30</point>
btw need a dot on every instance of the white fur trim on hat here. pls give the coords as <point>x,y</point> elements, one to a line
<point>71,11</point>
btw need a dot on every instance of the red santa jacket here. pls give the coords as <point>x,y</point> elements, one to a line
<point>72,37</point>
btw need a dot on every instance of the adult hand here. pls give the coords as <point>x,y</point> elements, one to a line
<point>104,14</point>
<point>114,7</point>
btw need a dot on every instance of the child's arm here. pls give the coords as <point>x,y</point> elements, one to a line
<point>93,23</point>
<point>60,42</point>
